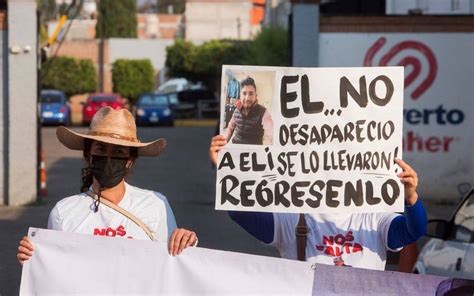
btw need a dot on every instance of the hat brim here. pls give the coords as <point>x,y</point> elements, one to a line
<point>75,141</point>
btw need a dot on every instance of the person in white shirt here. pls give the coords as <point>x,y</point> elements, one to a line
<point>358,240</point>
<point>110,148</point>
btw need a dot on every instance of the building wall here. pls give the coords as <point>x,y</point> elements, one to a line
<point>3,104</point>
<point>22,150</point>
<point>87,49</point>
<point>114,49</point>
<point>218,19</point>
<point>153,49</point>
<point>78,30</point>
<point>438,101</point>
<point>162,26</point>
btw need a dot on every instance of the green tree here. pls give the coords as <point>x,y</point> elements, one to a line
<point>132,77</point>
<point>270,48</point>
<point>69,75</point>
<point>116,19</point>
<point>181,58</point>
<point>201,63</point>
<point>178,5</point>
<point>47,9</point>
<point>204,62</point>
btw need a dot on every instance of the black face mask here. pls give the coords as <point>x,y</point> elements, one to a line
<point>109,171</point>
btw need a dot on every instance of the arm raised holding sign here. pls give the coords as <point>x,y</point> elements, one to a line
<point>358,240</point>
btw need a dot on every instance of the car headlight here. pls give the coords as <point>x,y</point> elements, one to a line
<point>167,112</point>
<point>140,112</point>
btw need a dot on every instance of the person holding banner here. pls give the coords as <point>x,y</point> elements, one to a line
<point>108,205</point>
<point>251,122</point>
<point>358,239</point>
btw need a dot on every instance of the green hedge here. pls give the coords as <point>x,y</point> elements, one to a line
<point>69,75</point>
<point>132,77</point>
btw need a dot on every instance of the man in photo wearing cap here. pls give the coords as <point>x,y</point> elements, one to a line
<point>251,122</point>
<point>109,206</point>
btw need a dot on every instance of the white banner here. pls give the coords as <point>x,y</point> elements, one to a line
<point>334,135</point>
<point>67,263</point>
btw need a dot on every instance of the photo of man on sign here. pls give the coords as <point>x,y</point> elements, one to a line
<point>250,120</point>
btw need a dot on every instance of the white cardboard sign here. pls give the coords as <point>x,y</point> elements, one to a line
<point>334,135</point>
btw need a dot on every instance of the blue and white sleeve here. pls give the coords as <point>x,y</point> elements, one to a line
<point>408,228</point>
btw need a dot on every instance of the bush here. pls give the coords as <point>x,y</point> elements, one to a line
<point>87,76</point>
<point>270,48</point>
<point>69,75</point>
<point>204,62</point>
<point>132,77</point>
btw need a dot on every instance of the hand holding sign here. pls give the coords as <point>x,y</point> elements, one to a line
<point>25,250</point>
<point>409,178</point>
<point>217,143</point>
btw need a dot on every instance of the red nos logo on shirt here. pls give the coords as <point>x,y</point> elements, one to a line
<point>120,231</point>
<point>336,245</point>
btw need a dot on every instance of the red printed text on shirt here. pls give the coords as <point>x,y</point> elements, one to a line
<point>336,245</point>
<point>109,231</point>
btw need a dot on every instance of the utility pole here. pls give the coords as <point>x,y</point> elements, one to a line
<point>238,28</point>
<point>101,50</point>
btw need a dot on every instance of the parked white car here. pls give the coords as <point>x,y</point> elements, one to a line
<point>178,84</point>
<point>450,251</point>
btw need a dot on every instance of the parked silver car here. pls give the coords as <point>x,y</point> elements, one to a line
<point>450,251</point>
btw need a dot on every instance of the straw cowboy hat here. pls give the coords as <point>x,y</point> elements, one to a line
<point>114,127</point>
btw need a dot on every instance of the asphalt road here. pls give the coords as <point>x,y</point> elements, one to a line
<point>183,174</point>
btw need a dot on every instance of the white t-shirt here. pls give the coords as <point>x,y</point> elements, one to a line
<point>358,240</point>
<point>76,214</point>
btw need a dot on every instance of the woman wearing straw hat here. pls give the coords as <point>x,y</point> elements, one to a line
<point>108,206</point>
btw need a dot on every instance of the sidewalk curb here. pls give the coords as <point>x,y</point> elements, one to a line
<point>195,122</point>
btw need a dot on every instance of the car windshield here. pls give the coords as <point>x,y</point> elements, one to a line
<point>169,88</point>
<point>153,100</point>
<point>173,98</point>
<point>194,96</point>
<point>51,98</point>
<point>102,99</point>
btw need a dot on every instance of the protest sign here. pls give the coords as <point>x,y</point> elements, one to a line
<point>311,140</point>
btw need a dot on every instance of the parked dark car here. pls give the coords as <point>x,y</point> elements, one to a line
<point>194,103</point>
<point>98,100</point>
<point>154,109</point>
<point>54,108</point>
